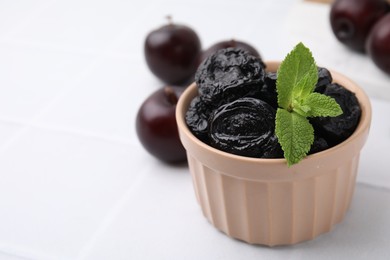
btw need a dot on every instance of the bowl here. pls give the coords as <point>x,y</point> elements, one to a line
<point>263,201</point>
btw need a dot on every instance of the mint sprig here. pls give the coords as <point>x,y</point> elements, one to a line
<point>297,77</point>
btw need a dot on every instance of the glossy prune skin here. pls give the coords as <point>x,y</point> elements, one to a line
<point>268,90</point>
<point>337,129</point>
<point>229,44</point>
<point>324,79</point>
<point>197,117</point>
<point>318,145</point>
<point>229,74</point>
<point>245,127</point>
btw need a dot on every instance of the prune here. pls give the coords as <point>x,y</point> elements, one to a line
<point>268,90</point>
<point>324,79</point>
<point>318,145</point>
<point>229,44</point>
<point>229,74</point>
<point>245,127</point>
<point>337,129</point>
<point>197,117</point>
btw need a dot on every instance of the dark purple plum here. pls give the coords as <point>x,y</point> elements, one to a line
<point>378,44</point>
<point>172,53</point>
<point>156,125</point>
<point>352,20</point>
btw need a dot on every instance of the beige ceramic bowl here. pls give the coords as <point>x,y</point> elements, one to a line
<point>262,201</point>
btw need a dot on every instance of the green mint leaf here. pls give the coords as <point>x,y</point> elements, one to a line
<point>295,135</point>
<point>322,105</point>
<point>297,76</point>
<point>306,85</point>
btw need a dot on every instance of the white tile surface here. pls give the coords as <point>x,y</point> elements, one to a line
<point>105,102</point>
<point>374,155</point>
<point>31,77</point>
<point>57,189</point>
<point>75,181</point>
<point>79,25</point>
<point>11,257</point>
<point>357,237</point>
<point>7,131</point>
<point>18,12</point>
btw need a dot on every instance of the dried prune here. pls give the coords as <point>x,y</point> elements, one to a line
<point>245,127</point>
<point>268,90</point>
<point>324,79</point>
<point>229,74</point>
<point>318,145</point>
<point>337,129</point>
<point>197,117</point>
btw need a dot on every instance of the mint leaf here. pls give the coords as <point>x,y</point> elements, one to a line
<point>297,76</point>
<point>322,105</point>
<point>295,134</point>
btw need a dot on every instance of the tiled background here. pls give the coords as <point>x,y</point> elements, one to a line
<point>75,182</point>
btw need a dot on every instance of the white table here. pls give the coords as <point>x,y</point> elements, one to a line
<point>75,183</point>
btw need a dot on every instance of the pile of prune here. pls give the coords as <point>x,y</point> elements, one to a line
<point>237,101</point>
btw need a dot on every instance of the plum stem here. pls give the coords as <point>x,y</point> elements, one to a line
<point>171,95</point>
<point>233,42</point>
<point>169,18</point>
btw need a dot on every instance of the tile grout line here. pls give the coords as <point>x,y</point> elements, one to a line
<point>32,122</point>
<point>67,49</point>
<point>26,254</point>
<point>112,214</point>
<point>119,205</point>
<point>97,61</point>
<point>37,11</point>
<point>34,13</point>
<point>39,114</point>
<point>374,186</point>
<point>69,130</point>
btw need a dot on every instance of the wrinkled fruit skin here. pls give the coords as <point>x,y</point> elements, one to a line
<point>229,44</point>
<point>172,53</point>
<point>337,129</point>
<point>229,74</point>
<point>319,144</point>
<point>197,118</point>
<point>268,90</point>
<point>245,127</point>
<point>324,79</point>
<point>157,129</point>
<point>378,44</point>
<point>351,20</point>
